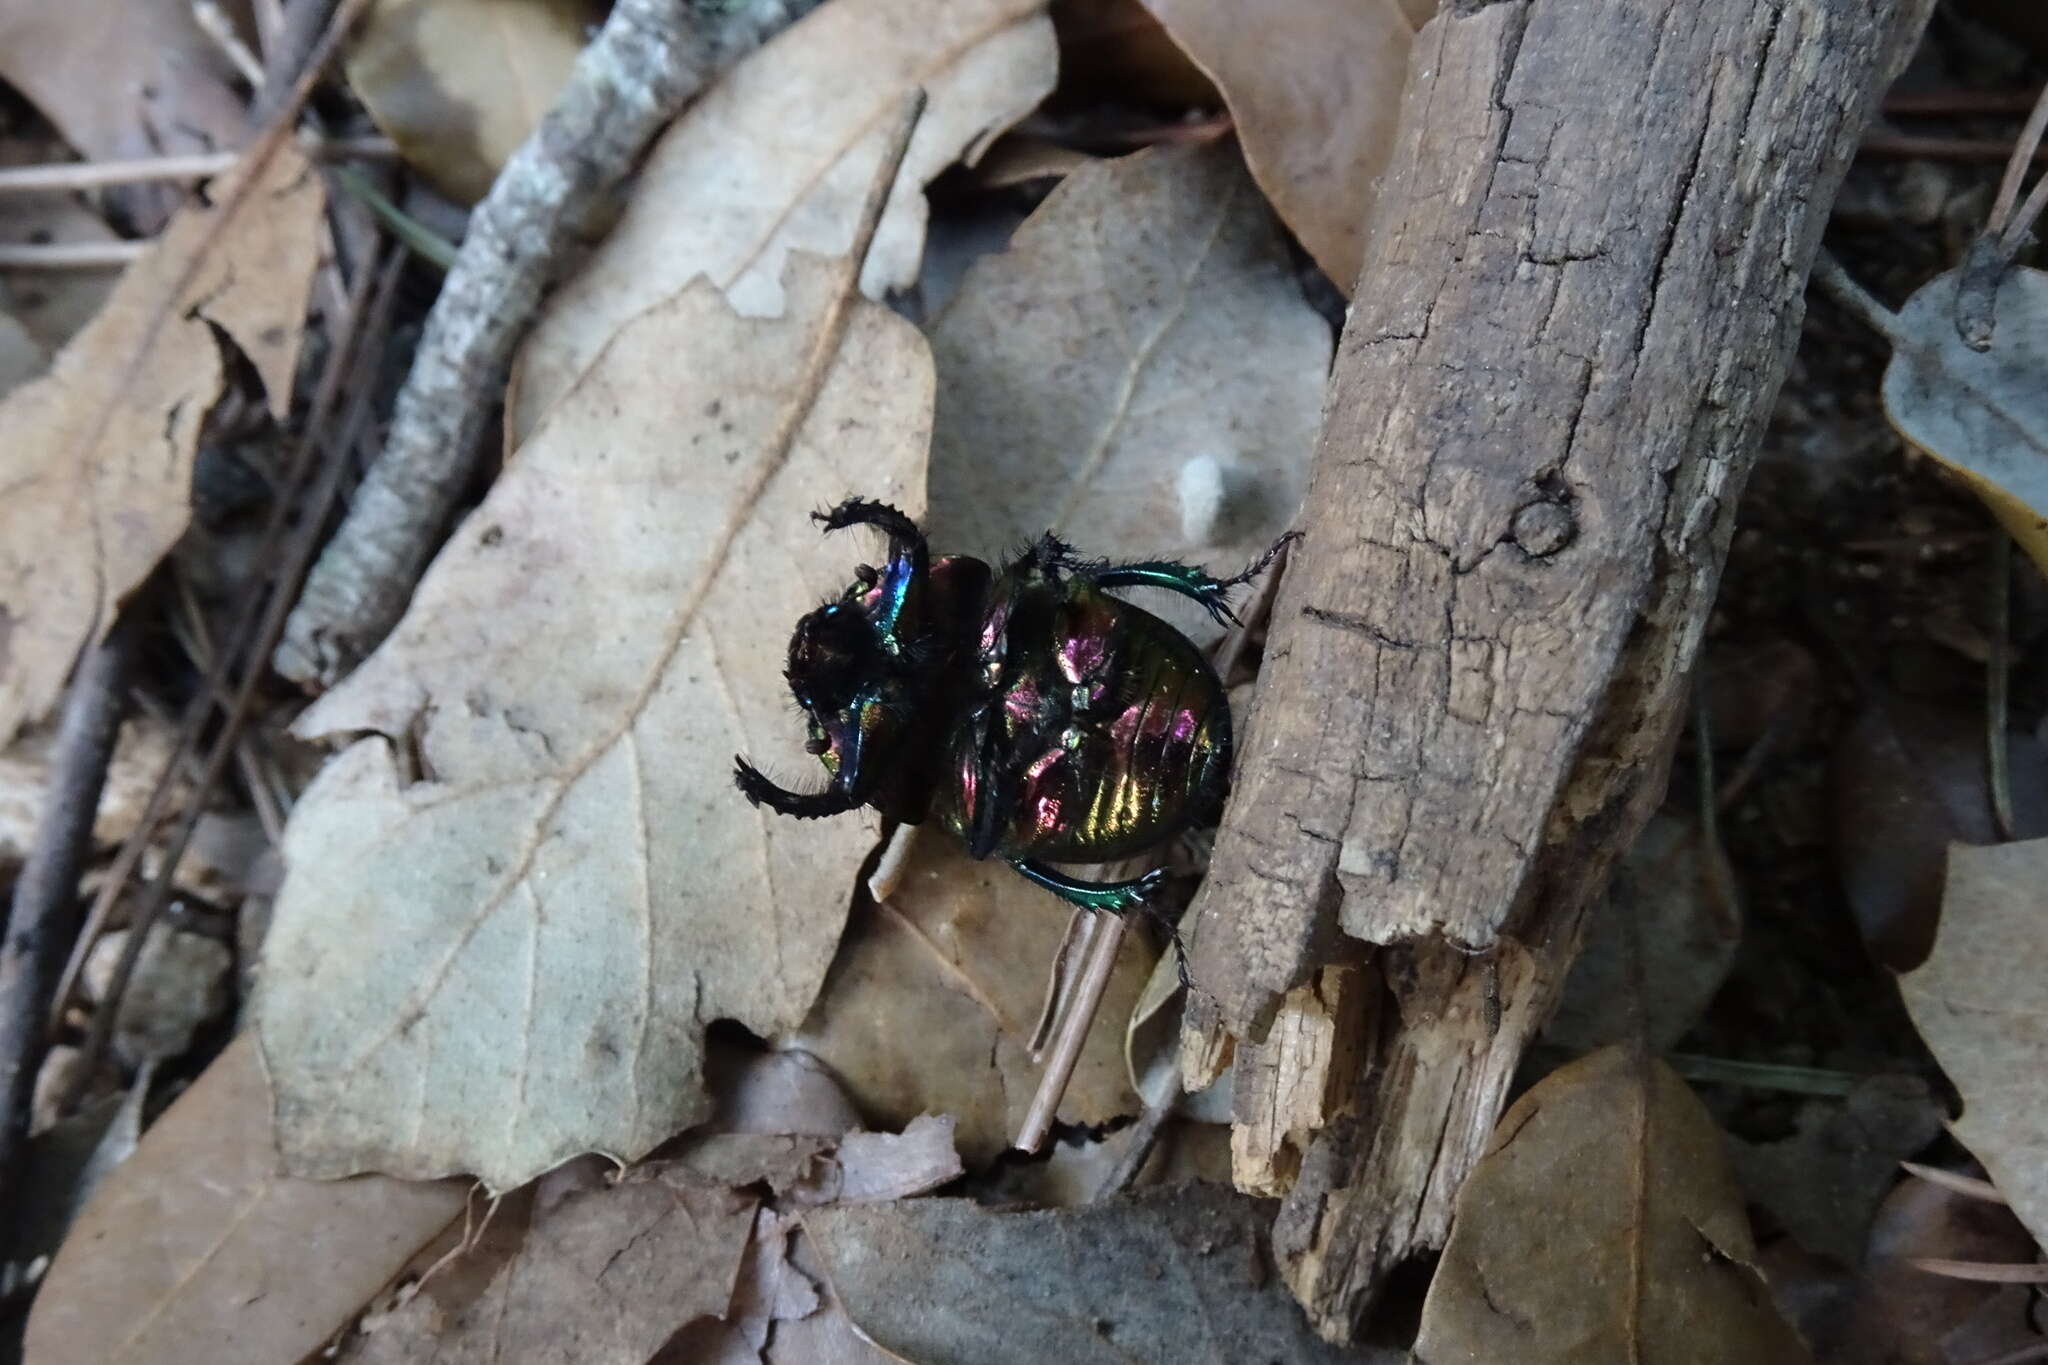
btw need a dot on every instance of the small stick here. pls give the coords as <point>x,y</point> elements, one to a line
<point>1982,1272</point>
<point>63,177</point>
<point>1073,1032</point>
<point>1997,683</point>
<point>1081,930</point>
<point>1837,284</point>
<point>1968,1186</point>
<point>71,255</point>
<point>44,918</point>
<point>215,24</point>
<point>2005,232</point>
<point>1143,1137</point>
<point>649,59</point>
<point>1908,147</point>
<point>2021,153</point>
<point>270,626</point>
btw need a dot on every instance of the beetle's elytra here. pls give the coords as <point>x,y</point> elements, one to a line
<point>1038,717</point>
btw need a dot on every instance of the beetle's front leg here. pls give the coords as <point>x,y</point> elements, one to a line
<point>1190,580</point>
<point>1115,897</point>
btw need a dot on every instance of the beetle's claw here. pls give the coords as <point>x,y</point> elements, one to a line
<point>866,512</point>
<point>759,791</point>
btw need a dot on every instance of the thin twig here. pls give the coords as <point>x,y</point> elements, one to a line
<point>650,57</point>
<point>1905,146</point>
<point>215,24</point>
<point>1796,1080</point>
<point>63,177</point>
<point>305,537</point>
<point>1836,283</point>
<point>1981,1272</point>
<point>326,395</point>
<point>71,255</point>
<point>1957,103</point>
<point>1059,978</point>
<point>2021,153</point>
<point>1968,1186</point>
<point>2025,1355</point>
<point>1139,1140</point>
<point>1997,683</point>
<point>1073,1032</point>
<point>44,918</point>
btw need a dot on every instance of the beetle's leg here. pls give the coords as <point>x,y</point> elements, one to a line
<point>865,512</point>
<point>1115,897</point>
<point>1190,580</point>
<point>902,578</point>
<point>803,805</point>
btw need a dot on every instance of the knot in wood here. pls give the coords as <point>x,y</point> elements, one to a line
<point>1544,528</point>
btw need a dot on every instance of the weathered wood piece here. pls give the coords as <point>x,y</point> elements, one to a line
<point>1582,285</point>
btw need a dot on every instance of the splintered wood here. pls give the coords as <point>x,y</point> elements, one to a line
<point>1582,283</point>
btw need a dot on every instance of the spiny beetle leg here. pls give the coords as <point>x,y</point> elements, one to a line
<point>1115,897</point>
<point>756,787</point>
<point>1185,579</point>
<point>864,512</point>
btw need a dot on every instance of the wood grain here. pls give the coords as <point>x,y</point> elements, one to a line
<point>1582,284</point>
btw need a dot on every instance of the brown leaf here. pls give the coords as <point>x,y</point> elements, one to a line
<point>1669,906</point>
<point>1603,1224</point>
<point>1314,87</point>
<point>512,959</point>
<point>1139,371</point>
<point>1823,1184</point>
<point>931,1003</point>
<point>124,79</point>
<point>1168,1275</point>
<point>1981,1002</point>
<point>197,1250</point>
<point>99,462</point>
<point>1909,780</point>
<point>748,174</point>
<point>1901,1315</point>
<point>605,1277</point>
<point>1981,413</point>
<point>458,84</point>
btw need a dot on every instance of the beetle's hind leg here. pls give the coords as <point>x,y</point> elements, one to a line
<point>1115,897</point>
<point>1190,580</point>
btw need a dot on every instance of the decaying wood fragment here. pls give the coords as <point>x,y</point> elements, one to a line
<point>1582,285</point>
<point>1289,1087</point>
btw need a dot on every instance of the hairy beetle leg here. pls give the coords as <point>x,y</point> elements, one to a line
<point>1115,897</point>
<point>1190,580</point>
<point>759,791</point>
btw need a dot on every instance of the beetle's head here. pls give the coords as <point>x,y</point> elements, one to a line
<point>849,672</point>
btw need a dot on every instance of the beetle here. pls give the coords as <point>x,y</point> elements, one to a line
<point>1036,716</point>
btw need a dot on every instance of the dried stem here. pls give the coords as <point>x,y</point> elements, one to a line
<point>62,177</point>
<point>1982,1272</point>
<point>2021,153</point>
<point>1072,1033</point>
<point>650,57</point>
<point>271,625</point>
<point>1997,683</point>
<point>44,918</point>
<point>1968,1186</point>
<point>71,255</point>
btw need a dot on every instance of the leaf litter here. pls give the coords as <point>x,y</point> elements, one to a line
<point>101,447</point>
<point>509,956</point>
<point>746,175</point>
<point>1139,371</point>
<point>1981,1002</point>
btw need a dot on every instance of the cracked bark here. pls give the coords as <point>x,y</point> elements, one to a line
<point>1581,288</point>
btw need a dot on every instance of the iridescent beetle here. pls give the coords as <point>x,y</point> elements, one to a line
<point>1039,718</point>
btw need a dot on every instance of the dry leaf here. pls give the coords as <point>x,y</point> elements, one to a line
<point>1314,87</point>
<point>511,959</point>
<point>604,1277</point>
<point>51,305</point>
<point>1908,781</point>
<point>98,466</point>
<point>749,174</point>
<point>1168,1275</point>
<point>123,79</point>
<point>783,1313</point>
<point>1981,1003</point>
<point>930,1006</point>
<point>141,754</point>
<point>196,1250</point>
<point>458,84</point>
<point>1984,414</point>
<point>1823,1184</point>
<point>1138,371</point>
<point>1901,1315</point>
<point>22,357</point>
<point>1669,906</point>
<point>1603,1224</point>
